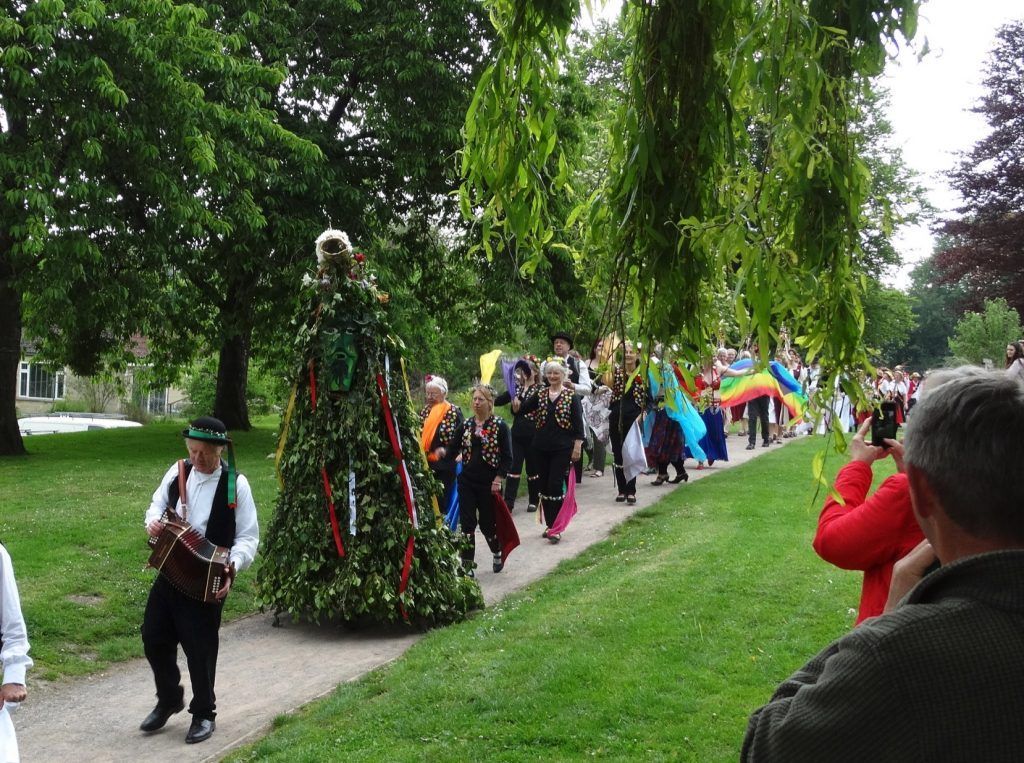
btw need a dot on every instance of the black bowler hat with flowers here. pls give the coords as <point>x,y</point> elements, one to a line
<point>211,430</point>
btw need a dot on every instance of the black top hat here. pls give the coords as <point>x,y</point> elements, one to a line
<point>207,429</point>
<point>562,335</point>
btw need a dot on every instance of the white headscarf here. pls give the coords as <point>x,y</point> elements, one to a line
<point>439,383</point>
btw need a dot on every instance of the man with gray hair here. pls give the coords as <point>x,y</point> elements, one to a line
<point>939,676</point>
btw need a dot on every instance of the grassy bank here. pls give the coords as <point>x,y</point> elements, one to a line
<point>71,515</point>
<point>655,644</point>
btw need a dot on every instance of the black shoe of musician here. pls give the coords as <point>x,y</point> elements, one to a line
<point>158,718</point>
<point>496,564</point>
<point>200,730</point>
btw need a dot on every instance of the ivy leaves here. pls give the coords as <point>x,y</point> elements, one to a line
<point>345,433</point>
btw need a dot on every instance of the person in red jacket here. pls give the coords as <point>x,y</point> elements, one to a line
<point>868,534</point>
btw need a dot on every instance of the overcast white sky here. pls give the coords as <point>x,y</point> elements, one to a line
<point>931,98</point>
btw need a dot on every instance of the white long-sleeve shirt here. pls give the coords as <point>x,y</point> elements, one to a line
<point>14,654</point>
<point>199,491</point>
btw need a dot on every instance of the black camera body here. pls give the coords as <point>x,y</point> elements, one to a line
<point>883,424</point>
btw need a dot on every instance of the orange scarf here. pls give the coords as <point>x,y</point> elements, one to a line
<point>434,419</point>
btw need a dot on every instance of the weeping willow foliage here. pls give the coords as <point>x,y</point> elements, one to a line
<point>731,163</point>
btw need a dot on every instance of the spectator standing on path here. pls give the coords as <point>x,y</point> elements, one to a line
<point>938,676</point>
<point>14,648</point>
<point>218,503</point>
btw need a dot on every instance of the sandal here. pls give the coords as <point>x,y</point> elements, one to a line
<point>620,498</point>
<point>630,499</point>
<point>597,473</point>
<point>554,538</point>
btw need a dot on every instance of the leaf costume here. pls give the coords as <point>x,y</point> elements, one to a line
<point>356,535</point>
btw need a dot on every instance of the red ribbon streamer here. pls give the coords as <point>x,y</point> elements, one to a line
<point>312,386</point>
<point>396,448</point>
<point>330,510</point>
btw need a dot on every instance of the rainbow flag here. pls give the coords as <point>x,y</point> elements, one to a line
<point>775,381</point>
<point>790,391</point>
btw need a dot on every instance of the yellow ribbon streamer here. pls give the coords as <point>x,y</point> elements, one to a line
<point>284,435</point>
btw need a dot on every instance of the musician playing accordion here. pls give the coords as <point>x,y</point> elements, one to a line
<point>206,493</point>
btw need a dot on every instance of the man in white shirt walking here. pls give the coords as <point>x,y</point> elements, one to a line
<point>218,503</point>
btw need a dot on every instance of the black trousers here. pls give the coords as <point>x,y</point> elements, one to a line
<point>552,468</point>
<point>476,506</point>
<point>522,456</point>
<point>173,618</point>
<point>618,428</point>
<point>758,409</point>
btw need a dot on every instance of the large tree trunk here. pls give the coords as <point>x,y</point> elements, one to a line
<point>231,405</point>
<point>10,356</point>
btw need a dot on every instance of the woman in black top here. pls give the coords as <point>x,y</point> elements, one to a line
<point>626,407</point>
<point>559,438</point>
<point>523,428</point>
<point>486,453</point>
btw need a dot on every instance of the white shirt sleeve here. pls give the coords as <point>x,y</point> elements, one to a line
<point>585,385</point>
<point>12,626</point>
<point>158,503</point>
<point>247,529</point>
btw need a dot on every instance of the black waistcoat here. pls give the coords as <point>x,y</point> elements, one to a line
<point>221,527</point>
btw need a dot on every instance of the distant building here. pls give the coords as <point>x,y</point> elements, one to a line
<point>41,387</point>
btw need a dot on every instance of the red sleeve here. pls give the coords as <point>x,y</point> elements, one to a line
<point>863,533</point>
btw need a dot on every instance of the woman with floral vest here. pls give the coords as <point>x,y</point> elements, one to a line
<point>485,448</point>
<point>559,438</point>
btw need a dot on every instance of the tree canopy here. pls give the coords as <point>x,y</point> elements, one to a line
<point>981,336</point>
<point>988,237</point>
<point>127,135</point>
<point>732,160</point>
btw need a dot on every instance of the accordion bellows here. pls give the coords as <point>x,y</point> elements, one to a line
<point>189,561</point>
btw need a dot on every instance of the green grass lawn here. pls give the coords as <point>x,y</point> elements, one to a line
<point>71,515</point>
<point>655,644</point>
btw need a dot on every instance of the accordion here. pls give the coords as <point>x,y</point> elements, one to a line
<point>190,562</point>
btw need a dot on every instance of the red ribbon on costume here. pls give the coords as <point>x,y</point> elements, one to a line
<point>403,475</point>
<point>312,386</point>
<point>330,510</point>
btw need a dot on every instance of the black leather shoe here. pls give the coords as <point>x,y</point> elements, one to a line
<point>158,718</point>
<point>200,730</point>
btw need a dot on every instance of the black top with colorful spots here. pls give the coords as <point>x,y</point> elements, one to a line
<point>486,449</point>
<point>559,421</point>
<point>631,401</point>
